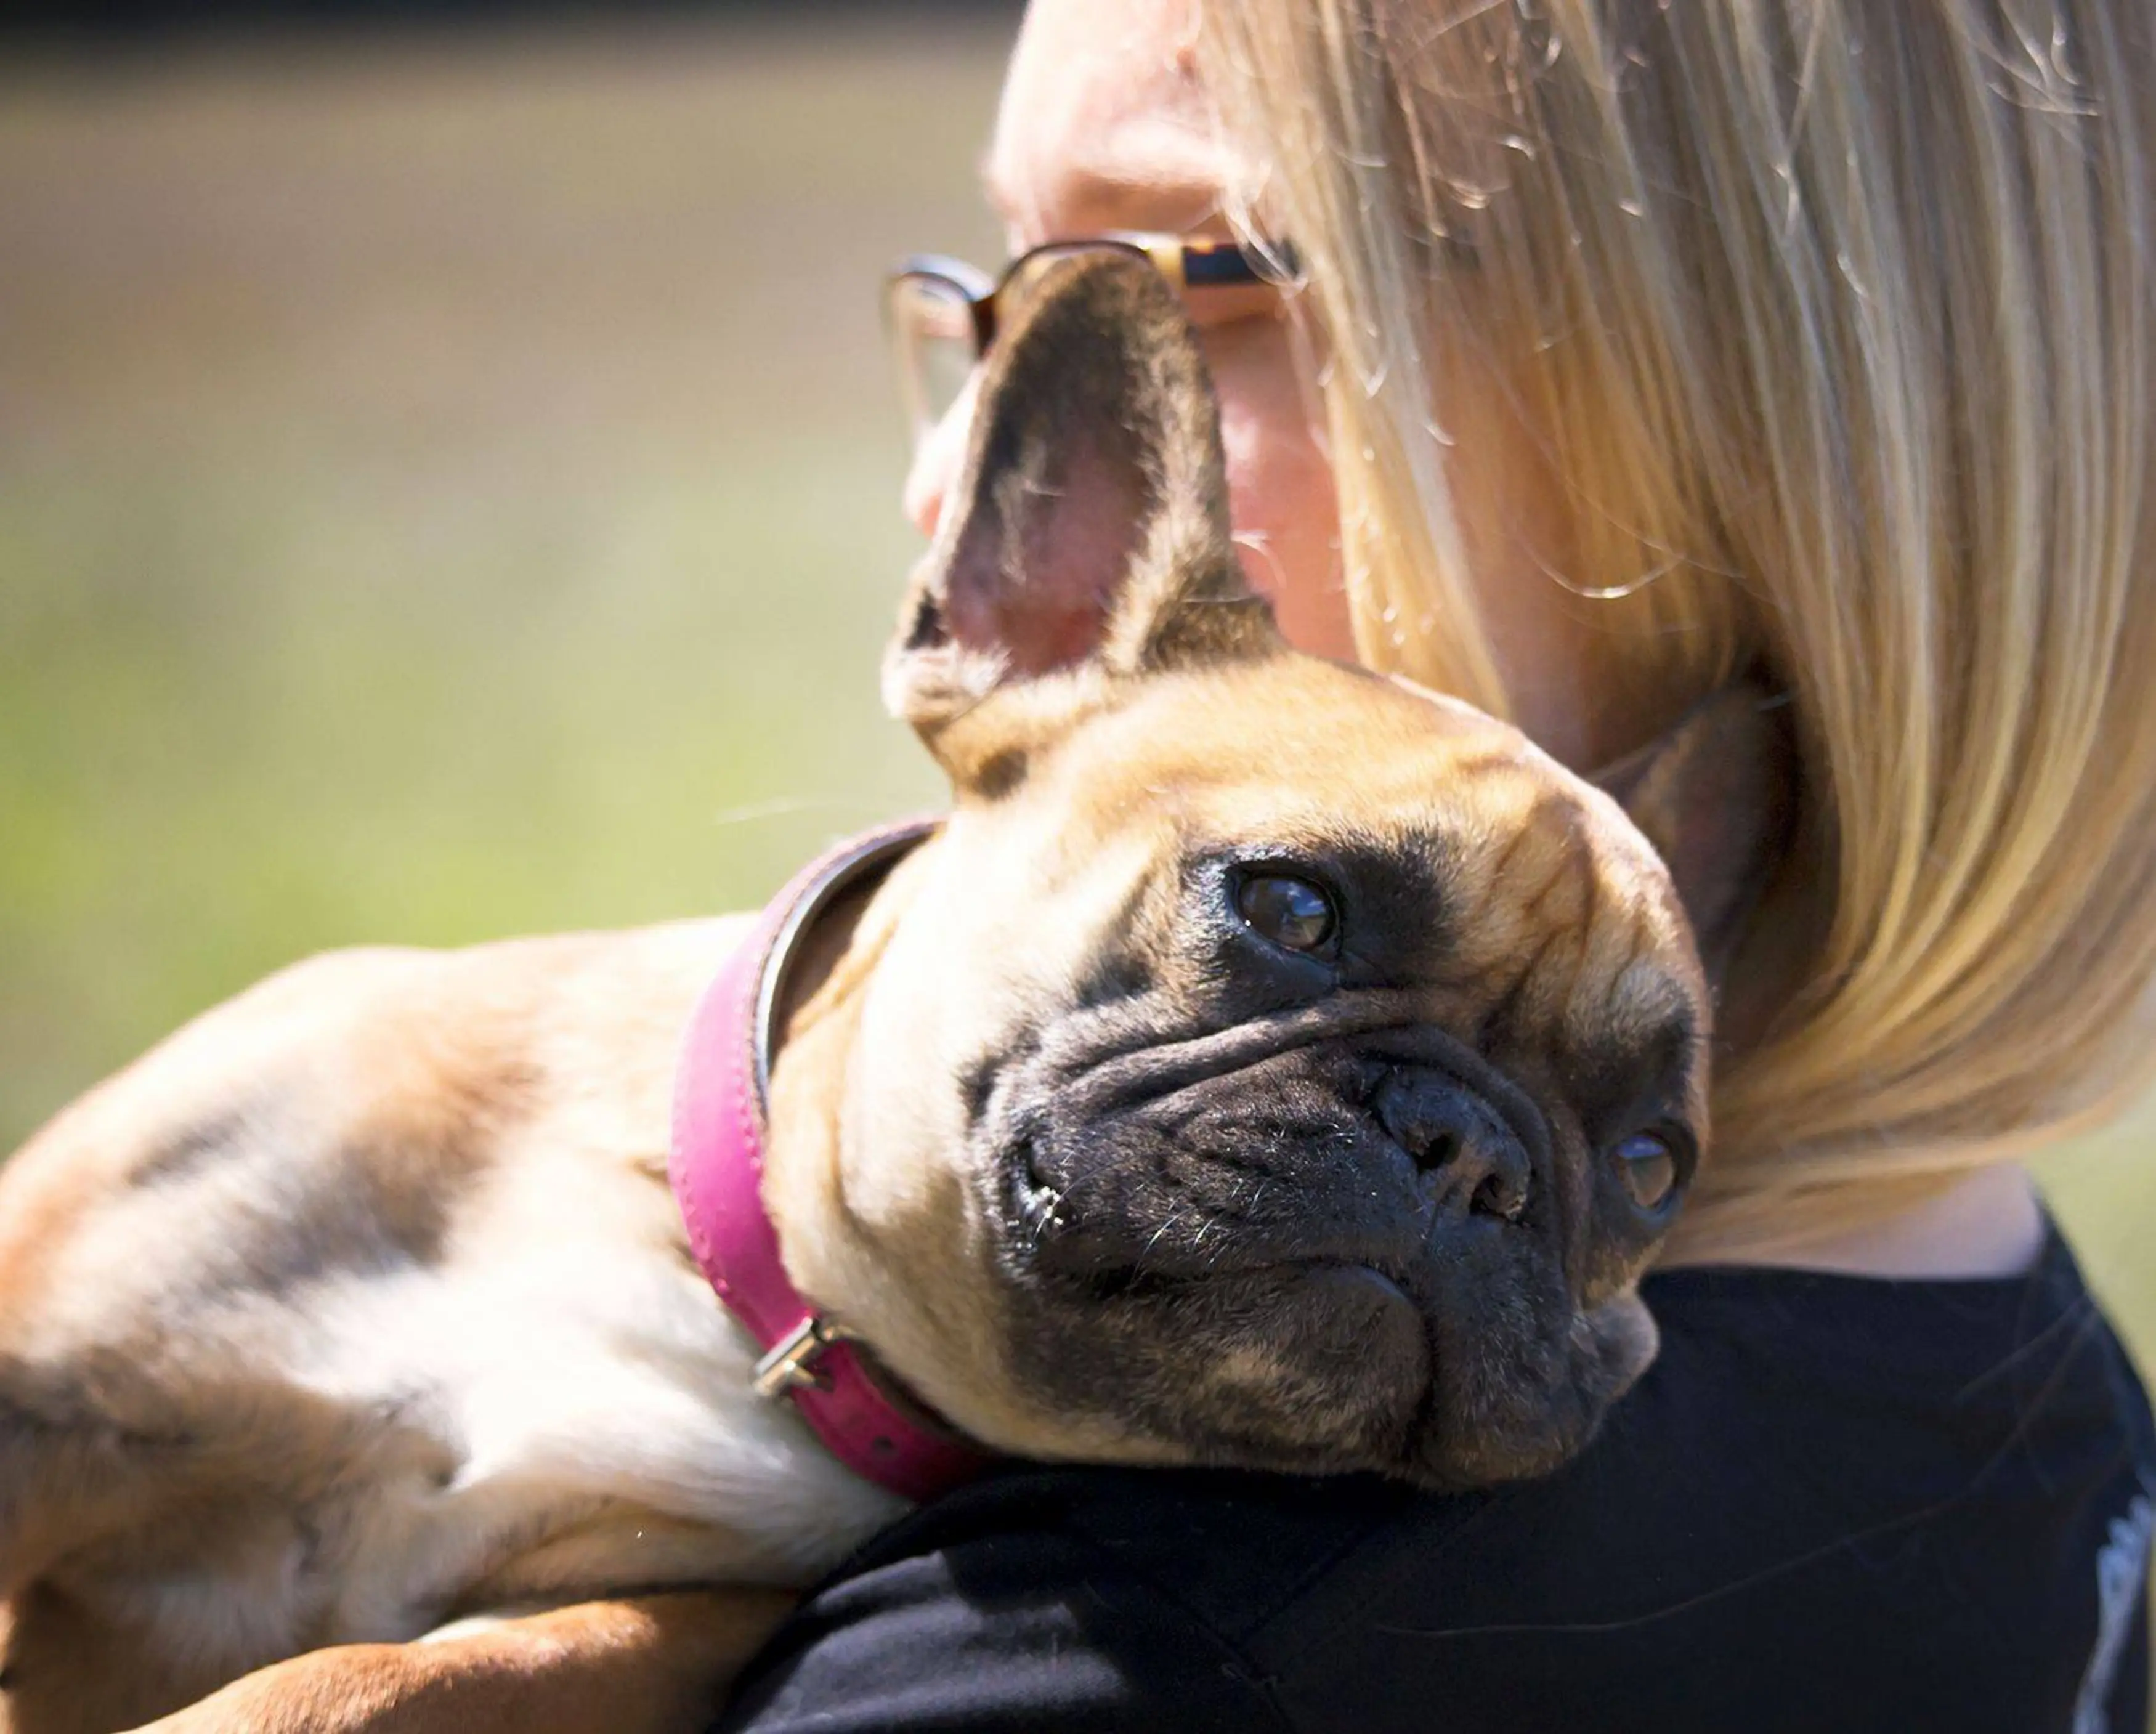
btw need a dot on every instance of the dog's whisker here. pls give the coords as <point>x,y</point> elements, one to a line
<point>749,813</point>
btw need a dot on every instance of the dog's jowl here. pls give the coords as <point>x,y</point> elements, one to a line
<point>1263,1063</point>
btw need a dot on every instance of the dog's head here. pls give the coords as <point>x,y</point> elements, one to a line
<point>1269,1064</point>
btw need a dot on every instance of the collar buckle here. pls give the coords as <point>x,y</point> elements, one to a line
<point>791,1363</point>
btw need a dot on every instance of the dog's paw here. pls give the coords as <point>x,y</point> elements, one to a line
<point>650,1664</point>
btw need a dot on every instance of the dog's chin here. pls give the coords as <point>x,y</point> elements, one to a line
<point>1498,1422</point>
<point>1311,1366</point>
<point>1331,1367</point>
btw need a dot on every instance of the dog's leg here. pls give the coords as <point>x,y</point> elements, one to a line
<point>646,1664</point>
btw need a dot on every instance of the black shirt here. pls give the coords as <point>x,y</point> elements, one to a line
<point>1834,1503</point>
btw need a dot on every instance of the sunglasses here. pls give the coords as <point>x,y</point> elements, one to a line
<point>942,314</point>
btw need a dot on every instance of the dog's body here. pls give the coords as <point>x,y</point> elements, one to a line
<point>376,1283</point>
<point>1208,1089</point>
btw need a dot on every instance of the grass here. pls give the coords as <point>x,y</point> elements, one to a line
<point>444,491</point>
<point>449,490</point>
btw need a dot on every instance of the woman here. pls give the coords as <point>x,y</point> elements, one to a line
<point>1638,343</point>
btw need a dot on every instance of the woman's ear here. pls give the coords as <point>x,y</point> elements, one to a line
<point>1717,796</point>
<point>1089,523</point>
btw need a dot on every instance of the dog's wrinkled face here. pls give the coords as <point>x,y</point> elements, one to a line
<point>1295,1069</point>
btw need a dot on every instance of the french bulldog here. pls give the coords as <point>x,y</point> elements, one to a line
<point>1263,1063</point>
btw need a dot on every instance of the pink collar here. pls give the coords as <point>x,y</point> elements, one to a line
<point>717,1170</point>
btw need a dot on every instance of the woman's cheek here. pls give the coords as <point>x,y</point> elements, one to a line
<point>1287,515</point>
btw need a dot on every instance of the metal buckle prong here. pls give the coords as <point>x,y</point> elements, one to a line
<point>792,1361</point>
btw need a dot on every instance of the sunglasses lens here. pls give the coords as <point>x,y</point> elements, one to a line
<point>932,334</point>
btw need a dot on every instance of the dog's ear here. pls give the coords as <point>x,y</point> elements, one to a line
<point>1089,523</point>
<point>1717,796</point>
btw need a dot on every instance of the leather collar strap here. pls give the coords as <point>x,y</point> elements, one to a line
<point>717,1169</point>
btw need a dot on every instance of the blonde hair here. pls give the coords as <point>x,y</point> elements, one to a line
<point>1834,318</point>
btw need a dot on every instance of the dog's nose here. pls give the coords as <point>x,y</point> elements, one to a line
<point>1472,1162</point>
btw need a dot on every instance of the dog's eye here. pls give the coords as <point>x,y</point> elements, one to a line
<point>1647,1164</point>
<point>1292,912</point>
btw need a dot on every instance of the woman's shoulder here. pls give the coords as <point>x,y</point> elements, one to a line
<point>1835,1500</point>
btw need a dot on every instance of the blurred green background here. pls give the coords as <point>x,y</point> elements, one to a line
<point>448,489</point>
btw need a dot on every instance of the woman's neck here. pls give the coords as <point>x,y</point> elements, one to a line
<point>1986,1224</point>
